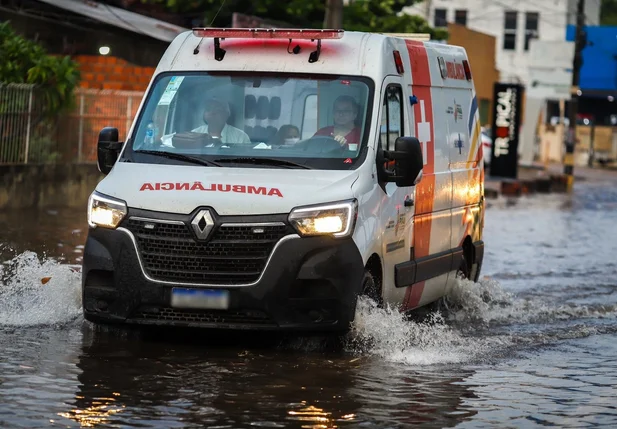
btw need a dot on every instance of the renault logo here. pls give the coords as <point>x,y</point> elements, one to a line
<point>202,224</point>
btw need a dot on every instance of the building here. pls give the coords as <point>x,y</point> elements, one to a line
<point>598,78</point>
<point>597,109</point>
<point>116,49</point>
<point>596,130</point>
<point>513,24</point>
<point>480,49</point>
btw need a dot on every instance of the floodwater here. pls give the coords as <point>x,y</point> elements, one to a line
<point>534,343</point>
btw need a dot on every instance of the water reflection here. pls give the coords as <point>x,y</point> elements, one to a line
<point>552,297</point>
<point>59,232</point>
<point>165,384</point>
<point>570,385</point>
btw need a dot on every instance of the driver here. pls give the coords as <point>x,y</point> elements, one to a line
<point>216,114</point>
<point>344,130</point>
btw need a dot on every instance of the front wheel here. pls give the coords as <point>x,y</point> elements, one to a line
<point>464,270</point>
<point>371,288</point>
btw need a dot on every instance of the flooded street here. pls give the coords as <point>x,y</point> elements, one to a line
<point>534,343</point>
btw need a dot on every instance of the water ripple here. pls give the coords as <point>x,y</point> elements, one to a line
<point>532,343</point>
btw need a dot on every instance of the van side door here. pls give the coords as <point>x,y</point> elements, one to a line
<point>396,211</point>
<point>426,274</point>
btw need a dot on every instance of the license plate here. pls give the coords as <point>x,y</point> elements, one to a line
<point>211,299</point>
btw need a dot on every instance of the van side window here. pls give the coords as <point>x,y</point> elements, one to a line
<point>391,117</point>
<point>395,114</point>
<point>383,127</point>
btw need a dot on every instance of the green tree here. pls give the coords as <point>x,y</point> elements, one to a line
<point>608,12</point>
<point>360,15</point>
<point>385,16</point>
<point>24,61</point>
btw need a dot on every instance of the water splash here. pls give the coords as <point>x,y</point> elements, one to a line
<point>454,334</point>
<point>38,291</point>
<point>386,332</point>
<point>42,291</point>
<point>487,303</point>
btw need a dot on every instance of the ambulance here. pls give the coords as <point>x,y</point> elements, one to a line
<point>271,177</point>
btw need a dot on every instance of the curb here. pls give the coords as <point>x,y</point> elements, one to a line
<point>519,187</point>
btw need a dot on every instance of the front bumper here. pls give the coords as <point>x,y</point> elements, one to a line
<point>309,284</point>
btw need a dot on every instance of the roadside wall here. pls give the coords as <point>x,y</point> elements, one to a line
<point>47,185</point>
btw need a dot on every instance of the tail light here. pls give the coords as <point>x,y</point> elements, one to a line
<point>467,69</point>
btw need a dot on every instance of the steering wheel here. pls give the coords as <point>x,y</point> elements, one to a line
<point>194,140</point>
<point>321,144</point>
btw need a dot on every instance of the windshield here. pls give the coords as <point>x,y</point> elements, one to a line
<point>255,119</point>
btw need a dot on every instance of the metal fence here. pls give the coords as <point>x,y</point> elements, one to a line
<point>29,134</point>
<point>21,115</point>
<point>95,110</point>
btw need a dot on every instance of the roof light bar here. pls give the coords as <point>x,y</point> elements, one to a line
<point>265,33</point>
<point>268,33</point>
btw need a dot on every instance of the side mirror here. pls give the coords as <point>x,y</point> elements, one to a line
<point>108,149</point>
<point>408,162</point>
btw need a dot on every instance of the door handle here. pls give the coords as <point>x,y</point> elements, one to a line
<point>408,201</point>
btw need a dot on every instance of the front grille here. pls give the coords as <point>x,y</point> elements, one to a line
<point>233,255</point>
<point>252,317</point>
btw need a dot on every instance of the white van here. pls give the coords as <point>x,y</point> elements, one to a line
<point>272,176</point>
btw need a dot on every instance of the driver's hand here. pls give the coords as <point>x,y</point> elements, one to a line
<point>341,139</point>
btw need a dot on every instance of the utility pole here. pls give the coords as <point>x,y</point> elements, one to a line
<point>334,14</point>
<point>580,40</point>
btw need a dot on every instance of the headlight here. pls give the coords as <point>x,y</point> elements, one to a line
<point>336,219</point>
<point>104,211</point>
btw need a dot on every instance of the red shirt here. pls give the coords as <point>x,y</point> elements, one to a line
<point>352,137</point>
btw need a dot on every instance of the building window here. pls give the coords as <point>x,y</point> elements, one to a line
<point>509,31</point>
<point>440,18</point>
<point>531,27</point>
<point>460,17</point>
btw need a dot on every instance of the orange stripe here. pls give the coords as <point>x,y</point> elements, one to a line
<point>468,226</point>
<point>425,190</point>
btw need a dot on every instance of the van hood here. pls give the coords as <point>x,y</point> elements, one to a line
<point>229,191</point>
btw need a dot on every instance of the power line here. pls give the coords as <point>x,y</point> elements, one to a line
<point>58,19</point>
<point>217,12</point>
<point>542,12</point>
<point>547,16</point>
<point>138,30</point>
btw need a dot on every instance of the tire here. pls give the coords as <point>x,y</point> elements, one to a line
<point>464,271</point>
<point>371,288</point>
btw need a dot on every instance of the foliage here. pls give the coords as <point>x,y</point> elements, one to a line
<point>360,15</point>
<point>382,16</point>
<point>608,12</point>
<point>43,146</point>
<point>24,61</point>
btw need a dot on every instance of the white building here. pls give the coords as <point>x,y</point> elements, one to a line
<point>513,23</point>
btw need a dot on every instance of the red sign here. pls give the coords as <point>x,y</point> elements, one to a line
<point>455,71</point>
<point>213,187</point>
<point>503,132</point>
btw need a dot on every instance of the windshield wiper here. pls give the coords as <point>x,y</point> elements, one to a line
<point>263,161</point>
<point>180,157</point>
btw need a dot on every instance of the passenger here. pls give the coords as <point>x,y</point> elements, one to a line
<point>216,114</point>
<point>344,130</point>
<point>286,135</point>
